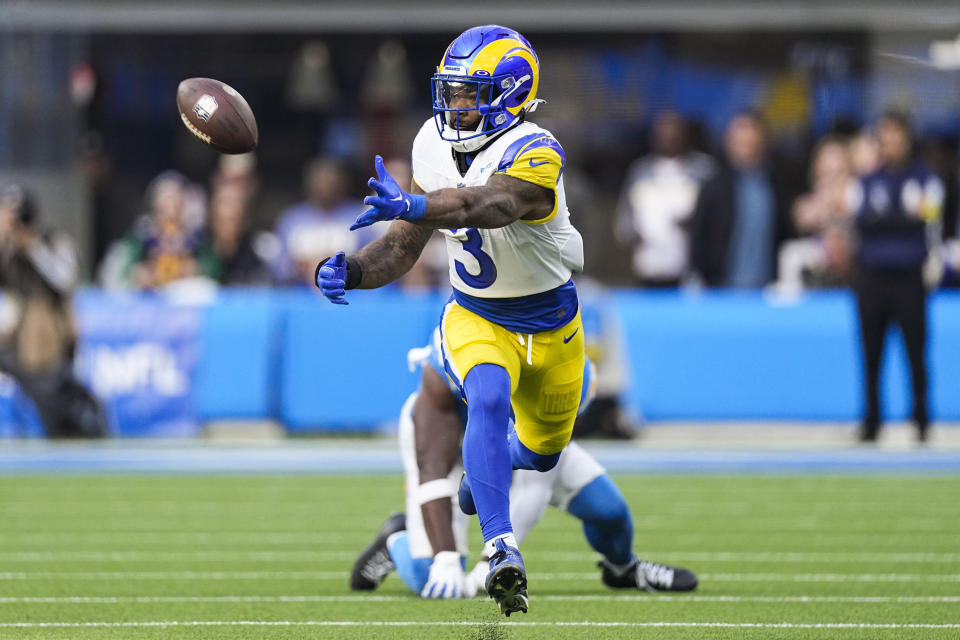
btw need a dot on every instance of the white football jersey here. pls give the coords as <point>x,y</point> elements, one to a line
<point>522,258</point>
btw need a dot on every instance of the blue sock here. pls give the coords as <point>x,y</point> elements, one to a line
<point>606,519</point>
<point>486,455</point>
<point>413,571</point>
<point>523,458</point>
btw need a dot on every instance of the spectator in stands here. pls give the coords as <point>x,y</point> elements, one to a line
<point>164,244</point>
<point>38,270</point>
<point>823,256</point>
<point>740,219</point>
<point>240,253</point>
<point>240,172</point>
<point>896,207</point>
<point>311,245</point>
<point>327,206</point>
<point>656,203</point>
<point>941,157</point>
<point>864,153</point>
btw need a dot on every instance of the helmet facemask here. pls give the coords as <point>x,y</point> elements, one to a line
<point>458,99</point>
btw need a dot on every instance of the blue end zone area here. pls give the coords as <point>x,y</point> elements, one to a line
<point>376,457</point>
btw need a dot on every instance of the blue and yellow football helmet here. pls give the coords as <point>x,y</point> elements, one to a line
<point>489,69</point>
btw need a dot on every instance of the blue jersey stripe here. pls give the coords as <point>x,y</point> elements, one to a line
<point>550,143</point>
<point>526,143</point>
<point>526,314</point>
<point>514,149</point>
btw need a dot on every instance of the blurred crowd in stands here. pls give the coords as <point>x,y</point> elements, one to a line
<point>740,220</point>
<point>871,209</point>
<point>743,217</point>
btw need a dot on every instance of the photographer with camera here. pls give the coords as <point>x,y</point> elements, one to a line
<point>38,270</point>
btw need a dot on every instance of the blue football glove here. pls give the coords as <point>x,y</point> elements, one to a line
<point>331,277</point>
<point>391,202</point>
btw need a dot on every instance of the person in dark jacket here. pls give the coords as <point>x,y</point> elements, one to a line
<point>741,216</point>
<point>896,207</point>
<point>38,270</point>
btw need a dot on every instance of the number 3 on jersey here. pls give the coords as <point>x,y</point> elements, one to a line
<point>488,270</point>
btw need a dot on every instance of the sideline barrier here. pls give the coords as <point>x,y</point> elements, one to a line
<point>163,369</point>
<point>726,355</point>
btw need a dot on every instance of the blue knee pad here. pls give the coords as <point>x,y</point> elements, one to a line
<point>523,458</point>
<point>606,518</point>
<point>413,571</point>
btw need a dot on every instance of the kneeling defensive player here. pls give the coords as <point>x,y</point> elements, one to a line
<point>427,546</point>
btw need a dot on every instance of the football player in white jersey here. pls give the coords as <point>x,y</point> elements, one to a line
<point>428,546</point>
<point>492,183</point>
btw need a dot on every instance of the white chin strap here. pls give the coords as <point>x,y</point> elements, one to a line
<point>472,144</point>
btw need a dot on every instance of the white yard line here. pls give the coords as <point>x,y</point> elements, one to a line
<point>337,575</point>
<point>412,623</point>
<point>176,575</point>
<point>832,577</point>
<point>638,598</point>
<point>307,555</point>
<point>153,536</point>
<point>148,556</point>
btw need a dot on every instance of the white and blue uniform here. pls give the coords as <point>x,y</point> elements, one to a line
<point>514,303</point>
<point>525,257</point>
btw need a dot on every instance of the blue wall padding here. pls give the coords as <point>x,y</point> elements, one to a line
<point>345,367</point>
<point>747,356</point>
<point>240,351</point>
<point>292,356</point>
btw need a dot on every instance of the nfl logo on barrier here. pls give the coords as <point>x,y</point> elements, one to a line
<point>205,107</point>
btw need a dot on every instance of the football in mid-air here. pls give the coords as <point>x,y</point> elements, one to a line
<point>217,114</point>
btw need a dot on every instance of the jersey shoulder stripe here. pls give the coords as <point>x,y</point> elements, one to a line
<point>539,159</point>
<point>527,143</point>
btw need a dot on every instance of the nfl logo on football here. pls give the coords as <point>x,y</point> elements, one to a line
<point>205,107</point>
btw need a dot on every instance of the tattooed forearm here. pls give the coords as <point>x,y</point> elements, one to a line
<point>498,203</point>
<point>391,255</point>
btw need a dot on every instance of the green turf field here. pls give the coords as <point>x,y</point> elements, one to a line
<point>268,557</point>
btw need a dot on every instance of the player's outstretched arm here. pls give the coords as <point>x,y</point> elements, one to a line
<point>389,256</point>
<point>502,200</point>
<point>378,263</point>
<point>496,204</point>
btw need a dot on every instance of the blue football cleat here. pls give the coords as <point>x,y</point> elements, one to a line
<point>507,580</point>
<point>465,497</point>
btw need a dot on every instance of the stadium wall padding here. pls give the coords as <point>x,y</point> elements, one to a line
<point>732,355</point>
<point>164,369</point>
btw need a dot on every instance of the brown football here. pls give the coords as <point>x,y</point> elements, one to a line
<point>217,114</point>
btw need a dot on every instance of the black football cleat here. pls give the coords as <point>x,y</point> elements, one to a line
<point>648,576</point>
<point>374,563</point>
